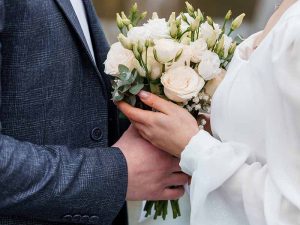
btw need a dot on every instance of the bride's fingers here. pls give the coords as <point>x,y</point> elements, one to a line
<point>134,114</point>
<point>157,103</point>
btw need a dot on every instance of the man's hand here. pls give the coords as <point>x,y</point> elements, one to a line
<point>151,172</point>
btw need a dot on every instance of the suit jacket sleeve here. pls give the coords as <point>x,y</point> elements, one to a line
<point>55,183</point>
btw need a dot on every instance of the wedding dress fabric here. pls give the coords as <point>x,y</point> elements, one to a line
<point>248,172</point>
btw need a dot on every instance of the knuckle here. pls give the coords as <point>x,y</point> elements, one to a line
<point>151,120</point>
<point>149,134</point>
<point>160,120</point>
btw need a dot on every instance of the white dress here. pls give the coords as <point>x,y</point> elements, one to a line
<point>248,172</point>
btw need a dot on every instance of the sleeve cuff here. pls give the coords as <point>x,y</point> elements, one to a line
<point>195,149</point>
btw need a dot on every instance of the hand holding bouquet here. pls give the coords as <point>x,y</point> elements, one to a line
<point>178,59</point>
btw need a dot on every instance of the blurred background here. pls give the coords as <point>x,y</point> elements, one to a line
<point>258,11</point>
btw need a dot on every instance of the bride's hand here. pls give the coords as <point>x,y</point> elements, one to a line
<point>170,128</point>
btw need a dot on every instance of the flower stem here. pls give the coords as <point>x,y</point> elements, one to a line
<point>161,208</point>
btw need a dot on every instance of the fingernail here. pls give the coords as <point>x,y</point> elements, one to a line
<point>144,94</point>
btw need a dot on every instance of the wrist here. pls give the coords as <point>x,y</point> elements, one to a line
<point>192,133</point>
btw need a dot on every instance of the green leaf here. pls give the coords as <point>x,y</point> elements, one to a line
<point>117,96</point>
<point>136,89</point>
<point>126,76</point>
<point>140,80</point>
<point>131,100</point>
<point>125,88</point>
<point>123,69</point>
<point>122,83</point>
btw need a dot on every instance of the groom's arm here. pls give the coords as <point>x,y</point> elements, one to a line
<point>55,183</point>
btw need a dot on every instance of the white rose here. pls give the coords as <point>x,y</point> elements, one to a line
<point>209,66</point>
<point>209,33</point>
<point>227,44</point>
<point>183,60</point>
<point>198,48</point>
<point>158,29</point>
<point>182,84</point>
<point>118,55</point>
<point>167,49</point>
<point>136,34</point>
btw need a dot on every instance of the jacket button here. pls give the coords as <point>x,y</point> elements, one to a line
<point>96,134</point>
<point>94,219</point>
<point>76,218</point>
<point>84,219</point>
<point>67,218</point>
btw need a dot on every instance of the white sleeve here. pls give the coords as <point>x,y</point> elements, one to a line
<point>269,193</point>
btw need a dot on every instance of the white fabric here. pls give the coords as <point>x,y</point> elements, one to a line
<point>248,173</point>
<point>81,15</point>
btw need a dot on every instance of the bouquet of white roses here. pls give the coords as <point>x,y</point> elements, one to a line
<point>178,59</point>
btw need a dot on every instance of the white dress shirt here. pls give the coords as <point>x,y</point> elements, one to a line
<point>81,15</point>
<point>248,172</point>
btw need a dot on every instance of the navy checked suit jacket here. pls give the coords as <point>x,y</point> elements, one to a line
<point>57,120</point>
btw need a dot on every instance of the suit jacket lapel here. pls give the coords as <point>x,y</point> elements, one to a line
<point>100,44</point>
<point>67,9</point>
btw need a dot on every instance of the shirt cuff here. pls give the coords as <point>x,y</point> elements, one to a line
<point>196,148</point>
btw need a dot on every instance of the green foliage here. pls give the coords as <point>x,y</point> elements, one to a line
<point>135,16</point>
<point>127,85</point>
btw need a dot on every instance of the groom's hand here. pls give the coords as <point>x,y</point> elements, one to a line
<point>151,172</point>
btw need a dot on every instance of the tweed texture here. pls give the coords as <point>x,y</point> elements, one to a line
<point>56,166</point>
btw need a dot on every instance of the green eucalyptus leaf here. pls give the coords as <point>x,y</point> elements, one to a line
<point>140,80</point>
<point>131,100</point>
<point>132,79</point>
<point>125,88</point>
<point>136,89</point>
<point>126,76</point>
<point>119,83</point>
<point>123,69</point>
<point>117,96</point>
<point>123,83</point>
